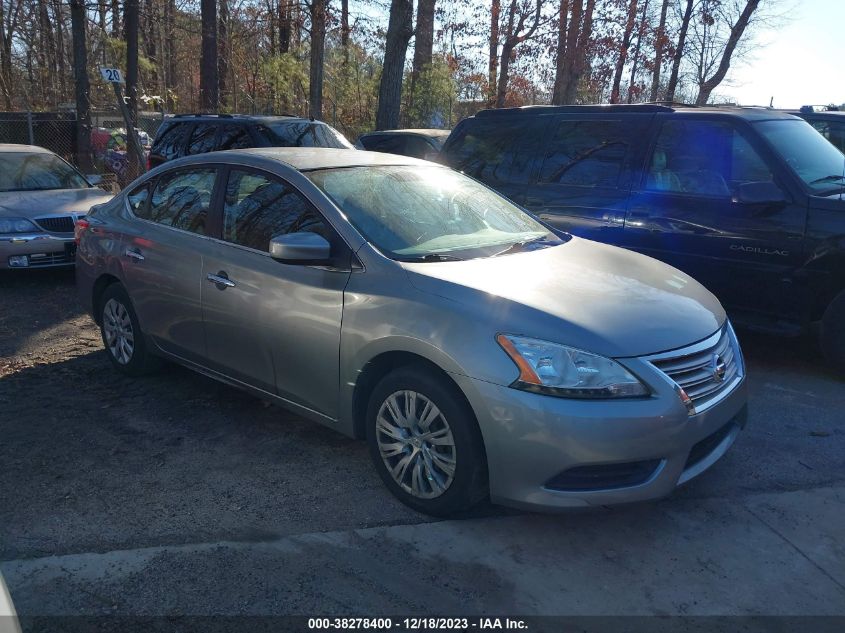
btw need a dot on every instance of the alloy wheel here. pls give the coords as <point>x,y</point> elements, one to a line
<point>117,326</point>
<point>416,444</point>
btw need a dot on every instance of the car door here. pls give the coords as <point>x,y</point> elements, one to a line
<point>697,206</point>
<point>163,254</point>
<point>499,152</point>
<point>584,180</point>
<point>273,325</point>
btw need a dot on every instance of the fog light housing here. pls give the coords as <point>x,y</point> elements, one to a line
<point>18,261</point>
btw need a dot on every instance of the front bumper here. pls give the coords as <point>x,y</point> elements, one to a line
<point>41,250</point>
<point>532,439</point>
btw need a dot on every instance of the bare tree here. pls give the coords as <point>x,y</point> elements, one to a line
<point>515,34</point>
<point>208,57</point>
<point>83,89</point>
<point>623,50</point>
<point>679,52</point>
<point>223,53</point>
<point>659,44</point>
<point>131,25</point>
<point>318,51</point>
<point>493,60</point>
<point>423,42</point>
<point>399,31</point>
<point>574,34</point>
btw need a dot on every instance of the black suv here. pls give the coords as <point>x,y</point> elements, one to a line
<point>749,201</point>
<point>188,134</point>
<point>829,122</point>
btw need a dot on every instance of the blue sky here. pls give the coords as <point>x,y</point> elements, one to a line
<point>800,62</point>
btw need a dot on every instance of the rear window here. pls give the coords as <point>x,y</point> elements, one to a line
<point>495,151</point>
<point>168,142</point>
<point>202,138</point>
<point>299,133</point>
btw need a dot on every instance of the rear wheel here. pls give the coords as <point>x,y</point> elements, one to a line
<point>425,443</point>
<point>121,332</point>
<point>833,332</point>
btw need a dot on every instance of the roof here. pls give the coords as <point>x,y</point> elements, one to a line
<point>238,117</point>
<point>746,112</point>
<point>435,132</point>
<point>308,158</point>
<point>6,148</point>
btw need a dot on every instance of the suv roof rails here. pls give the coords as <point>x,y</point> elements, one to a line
<point>670,104</point>
<point>551,109</point>
<point>198,114</point>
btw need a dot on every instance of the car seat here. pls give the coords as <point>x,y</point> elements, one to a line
<point>659,177</point>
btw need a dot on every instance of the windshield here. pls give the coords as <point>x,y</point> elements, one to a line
<point>36,172</point>
<point>818,163</point>
<point>415,213</point>
<point>306,134</point>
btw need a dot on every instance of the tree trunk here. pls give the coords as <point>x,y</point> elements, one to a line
<point>318,52</point>
<point>170,50</point>
<point>223,52</point>
<point>423,44</point>
<point>636,62</point>
<point>623,50</point>
<point>399,31</point>
<point>737,30</point>
<point>493,61</point>
<point>563,63</point>
<point>679,53</point>
<point>150,49</point>
<point>130,19</point>
<point>344,27</point>
<point>514,36</point>
<point>659,43</point>
<point>208,57</point>
<point>285,30</point>
<point>83,90</point>
<point>115,19</point>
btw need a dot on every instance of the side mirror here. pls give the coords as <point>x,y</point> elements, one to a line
<point>300,248</point>
<point>94,179</point>
<point>765,192</point>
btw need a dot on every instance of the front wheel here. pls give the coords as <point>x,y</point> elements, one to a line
<point>425,443</point>
<point>121,332</point>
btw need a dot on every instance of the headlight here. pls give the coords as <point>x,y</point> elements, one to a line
<point>16,225</point>
<point>558,370</point>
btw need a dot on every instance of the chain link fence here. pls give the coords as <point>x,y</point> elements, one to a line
<point>57,132</point>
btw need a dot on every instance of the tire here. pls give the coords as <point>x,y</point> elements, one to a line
<point>832,333</point>
<point>439,460</point>
<point>122,336</point>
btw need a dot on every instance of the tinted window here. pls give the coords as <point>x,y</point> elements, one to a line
<point>495,151</point>
<point>390,144</point>
<point>168,143</point>
<point>706,158</point>
<point>833,131</point>
<point>585,153</point>
<point>181,199</point>
<point>137,200</point>
<point>298,133</point>
<point>234,136</point>
<point>418,147</point>
<point>818,163</point>
<point>258,208</point>
<point>202,138</point>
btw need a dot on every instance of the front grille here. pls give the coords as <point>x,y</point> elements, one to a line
<point>63,224</point>
<point>706,446</point>
<point>51,259</point>
<point>604,476</point>
<point>705,372</point>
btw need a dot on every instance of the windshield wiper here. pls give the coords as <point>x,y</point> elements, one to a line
<point>432,257</point>
<point>830,178</point>
<point>518,246</point>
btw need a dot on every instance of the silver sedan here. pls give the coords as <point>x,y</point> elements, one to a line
<point>41,198</point>
<point>480,353</point>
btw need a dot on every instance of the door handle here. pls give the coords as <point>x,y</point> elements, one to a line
<point>221,279</point>
<point>132,253</point>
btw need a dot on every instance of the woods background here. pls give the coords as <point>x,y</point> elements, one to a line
<point>364,64</point>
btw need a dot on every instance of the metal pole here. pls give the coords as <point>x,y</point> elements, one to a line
<point>29,127</point>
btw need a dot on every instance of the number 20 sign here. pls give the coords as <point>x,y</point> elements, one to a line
<point>112,75</point>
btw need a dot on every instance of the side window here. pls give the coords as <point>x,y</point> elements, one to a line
<point>258,208</point>
<point>168,143</point>
<point>202,138</point>
<point>418,147</point>
<point>704,158</point>
<point>385,143</point>
<point>234,136</point>
<point>181,199</point>
<point>137,200</point>
<point>498,151</point>
<point>585,153</point>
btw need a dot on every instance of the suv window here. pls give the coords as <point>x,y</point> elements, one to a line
<point>298,133</point>
<point>703,158</point>
<point>391,144</point>
<point>168,144</point>
<point>202,138</point>
<point>833,131</point>
<point>495,151</point>
<point>585,153</point>
<point>418,147</point>
<point>257,208</point>
<point>234,136</point>
<point>181,199</point>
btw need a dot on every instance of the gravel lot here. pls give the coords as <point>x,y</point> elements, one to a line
<point>161,495</point>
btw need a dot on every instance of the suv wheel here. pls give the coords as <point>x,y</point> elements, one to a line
<point>833,332</point>
<point>425,443</point>
<point>122,334</point>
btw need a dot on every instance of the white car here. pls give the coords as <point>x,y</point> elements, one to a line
<point>8,616</point>
<point>41,199</point>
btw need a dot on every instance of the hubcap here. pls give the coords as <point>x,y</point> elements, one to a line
<point>416,444</point>
<point>117,326</point>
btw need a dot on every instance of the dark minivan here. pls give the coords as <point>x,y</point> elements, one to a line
<point>189,134</point>
<point>749,201</point>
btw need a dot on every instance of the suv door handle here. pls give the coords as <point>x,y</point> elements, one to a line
<point>132,253</point>
<point>221,280</point>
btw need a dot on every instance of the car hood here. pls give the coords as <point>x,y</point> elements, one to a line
<point>32,204</point>
<point>595,297</point>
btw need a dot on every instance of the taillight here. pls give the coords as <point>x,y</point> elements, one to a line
<point>81,225</point>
